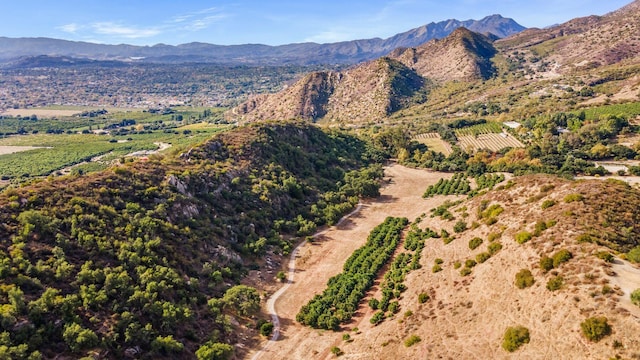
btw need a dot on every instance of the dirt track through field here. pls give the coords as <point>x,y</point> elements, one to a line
<point>275,319</point>
<point>314,263</point>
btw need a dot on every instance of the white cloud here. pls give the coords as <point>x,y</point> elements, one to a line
<point>69,28</point>
<point>203,23</point>
<point>200,19</point>
<point>129,32</point>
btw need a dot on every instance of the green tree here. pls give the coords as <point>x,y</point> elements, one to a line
<point>79,338</point>
<point>214,351</point>
<point>243,300</point>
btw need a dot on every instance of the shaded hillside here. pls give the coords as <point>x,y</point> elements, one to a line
<point>134,261</point>
<point>521,260</point>
<point>374,90</point>
<point>346,52</point>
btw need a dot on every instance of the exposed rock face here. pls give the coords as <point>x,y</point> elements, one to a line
<point>374,90</point>
<point>463,55</point>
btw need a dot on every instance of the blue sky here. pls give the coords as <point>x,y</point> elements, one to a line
<point>225,22</point>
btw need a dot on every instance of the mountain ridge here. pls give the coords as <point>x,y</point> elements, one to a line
<point>345,52</point>
<point>374,90</point>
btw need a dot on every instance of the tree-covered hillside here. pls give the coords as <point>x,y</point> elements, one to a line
<point>141,260</point>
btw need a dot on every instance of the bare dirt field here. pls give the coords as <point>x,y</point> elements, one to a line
<point>41,113</point>
<point>8,149</point>
<point>324,258</point>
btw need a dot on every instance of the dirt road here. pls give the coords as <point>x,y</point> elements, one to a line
<point>322,259</point>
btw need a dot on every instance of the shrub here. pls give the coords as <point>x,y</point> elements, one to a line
<point>214,351</point>
<point>281,276</point>
<point>423,298</point>
<point>412,340</point>
<point>460,226</point>
<point>482,257</point>
<point>490,221</point>
<point>635,297</point>
<point>494,248</point>
<point>266,329</point>
<point>606,256</point>
<point>470,263</point>
<point>438,261</point>
<point>547,204</point>
<point>584,238</point>
<point>79,338</point>
<point>494,236</point>
<point>374,303</point>
<point>457,264</point>
<point>377,318</point>
<point>547,188</point>
<point>524,279</point>
<point>573,197</point>
<point>560,257</point>
<point>634,255</point>
<point>167,344</point>
<point>595,328</point>
<point>546,263</point>
<point>394,307</point>
<point>336,351</point>
<point>475,242</point>
<point>346,337</point>
<point>436,268</point>
<point>465,271</point>
<point>514,337</point>
<point>555,283</point>
<point>523,236</point>
<point>540,227</point>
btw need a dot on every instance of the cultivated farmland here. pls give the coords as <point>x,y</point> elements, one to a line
<point>493,142</point>
<point>435,143</point>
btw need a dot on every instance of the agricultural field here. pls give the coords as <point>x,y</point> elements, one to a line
<point>486,128</point>
<point>434,142</point>
<point>493,142</point>
<point>58,119</point>
<point>629,109</point>
<point>53,153</point>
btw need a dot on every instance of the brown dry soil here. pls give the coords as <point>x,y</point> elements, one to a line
<point>466,316</point>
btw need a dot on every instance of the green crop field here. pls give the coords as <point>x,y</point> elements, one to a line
<point>628,109</point>
<point>487,128</point>
<point>60,151</point>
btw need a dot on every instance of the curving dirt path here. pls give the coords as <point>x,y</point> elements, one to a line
<point>271,302</point>
<point>314,263</point>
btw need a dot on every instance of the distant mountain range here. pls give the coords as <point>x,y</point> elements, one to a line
<point>375,90</point>
<point>346,52</point>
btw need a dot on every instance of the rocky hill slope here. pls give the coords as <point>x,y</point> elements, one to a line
<point>374,90</point>
<point>584,43</point>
